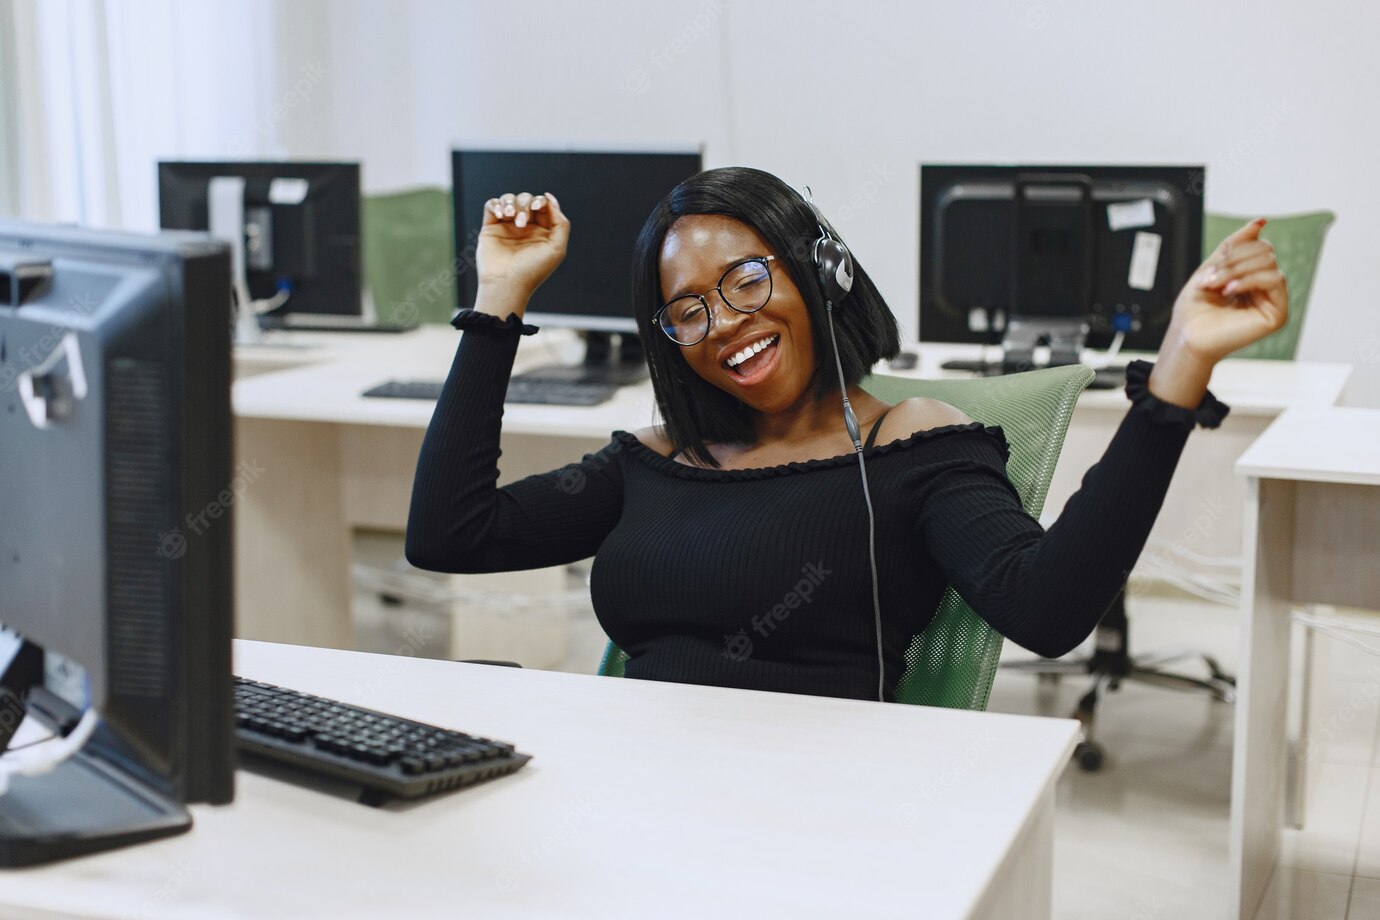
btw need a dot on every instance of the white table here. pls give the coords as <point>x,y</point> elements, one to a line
<point>333,461</point>
<point>643,799</point>
<point>1312,528</point>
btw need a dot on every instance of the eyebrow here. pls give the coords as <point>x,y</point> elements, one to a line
<point>723,270</point>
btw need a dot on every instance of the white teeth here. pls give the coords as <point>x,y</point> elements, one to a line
<point>751,350</point>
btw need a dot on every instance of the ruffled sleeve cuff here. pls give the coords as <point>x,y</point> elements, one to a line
<point>1209,413</point>
<point>474,319</point>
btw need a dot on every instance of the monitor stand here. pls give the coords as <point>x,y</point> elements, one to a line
<point>84,805</point>
<point>601,364</point>
<point>1065,338</point>
<point>91,801</point>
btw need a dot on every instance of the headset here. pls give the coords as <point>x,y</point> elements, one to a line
<point>834,268</point>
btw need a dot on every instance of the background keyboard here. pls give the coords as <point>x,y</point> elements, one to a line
<point>520,390</point>
<point>385,754</point>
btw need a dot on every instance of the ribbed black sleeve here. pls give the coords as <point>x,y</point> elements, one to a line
<point>459,521</point>
<point>1043,590</point>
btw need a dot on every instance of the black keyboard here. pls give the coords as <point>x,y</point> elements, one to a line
<point>329,322</point>
<point>386,755</point>
<point>520,390</point>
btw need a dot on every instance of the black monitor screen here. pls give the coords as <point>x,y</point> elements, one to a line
<point>1112,243</point>
<point>607,196</point>
<point>301,224</point>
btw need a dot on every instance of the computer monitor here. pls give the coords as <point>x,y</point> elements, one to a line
<point>608,196</point>
<point>1108,247</point>
<point>294,229</point>
<point>116,497</point>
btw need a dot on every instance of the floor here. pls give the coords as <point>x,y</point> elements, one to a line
<point>1145,838</point>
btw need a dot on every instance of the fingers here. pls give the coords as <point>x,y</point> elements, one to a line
<point>519,209</point>
<point>1240,253</point>
<point>1219,274</point>
<point>1250,231</point>
<point>1265,279</point>
<point>551,215</point>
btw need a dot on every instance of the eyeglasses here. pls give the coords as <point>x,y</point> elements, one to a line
<point>745,287</point>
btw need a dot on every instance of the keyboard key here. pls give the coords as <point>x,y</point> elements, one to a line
<point>349,742</point>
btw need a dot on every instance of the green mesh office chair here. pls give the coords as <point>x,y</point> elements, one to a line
<point>953,661</point>
<point>409,255</point>
<point>1298,241</point>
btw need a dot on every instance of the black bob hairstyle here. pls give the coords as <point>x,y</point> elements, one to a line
<point>695,412</point>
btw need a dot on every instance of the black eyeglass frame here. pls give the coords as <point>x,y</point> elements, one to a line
<point>704,300</point>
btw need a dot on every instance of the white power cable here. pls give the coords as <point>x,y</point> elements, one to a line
<point>46,757</point>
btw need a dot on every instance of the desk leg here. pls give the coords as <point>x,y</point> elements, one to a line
<point>1260,757</point>
<point>292,545</point>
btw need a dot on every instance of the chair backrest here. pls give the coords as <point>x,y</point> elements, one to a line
<point>1298,241</point>
<point>409,255</point>
<point>952,663</point>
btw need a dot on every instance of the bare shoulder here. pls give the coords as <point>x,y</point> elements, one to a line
<point>654,436</point>
<point>919,413</point>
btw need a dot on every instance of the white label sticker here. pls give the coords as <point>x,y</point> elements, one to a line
<point>1123,215</point>
<point>284,190</point>
<point>1145,260</point>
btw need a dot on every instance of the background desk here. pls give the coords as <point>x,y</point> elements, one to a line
<point>643,799</point>
<point>1312,525</point>
<point>333,462</point>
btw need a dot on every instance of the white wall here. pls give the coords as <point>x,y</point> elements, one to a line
<point>1276,98</point>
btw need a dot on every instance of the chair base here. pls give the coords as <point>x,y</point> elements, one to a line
<point>1111,664</point>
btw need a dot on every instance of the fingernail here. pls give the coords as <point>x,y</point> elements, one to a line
<point>1231,286</point>
<point>537,203</point>
<point>1210,277</point>
<point>521,219</point>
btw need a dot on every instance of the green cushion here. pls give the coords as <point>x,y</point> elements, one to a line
<point>952,663</point>
<point>1298,241</point>
<point>409,255</point>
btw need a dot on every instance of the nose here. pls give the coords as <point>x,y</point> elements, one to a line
<point>724,320</point>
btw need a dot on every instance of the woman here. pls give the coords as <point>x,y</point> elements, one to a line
<point>733,543</point>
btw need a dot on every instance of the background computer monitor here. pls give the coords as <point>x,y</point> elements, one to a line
<point>300,221</point>
<point>116,493</point>
<point>1113,244</point>
<point>608,195</point>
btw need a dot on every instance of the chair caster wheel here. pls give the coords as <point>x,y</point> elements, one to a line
<point>1089,755</point>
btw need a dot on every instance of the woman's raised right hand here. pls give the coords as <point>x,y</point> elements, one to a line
<point>522,241</point>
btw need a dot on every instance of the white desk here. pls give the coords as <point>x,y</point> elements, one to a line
<point>1312,526</point>
<point>334,461</point>
<point>643,799</point>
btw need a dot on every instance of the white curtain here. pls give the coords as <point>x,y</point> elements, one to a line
<point>94,92</point>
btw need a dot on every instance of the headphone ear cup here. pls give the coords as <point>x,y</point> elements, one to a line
<point>835,266</point>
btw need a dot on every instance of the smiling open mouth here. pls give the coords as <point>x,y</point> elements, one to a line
<point>756,361</point>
